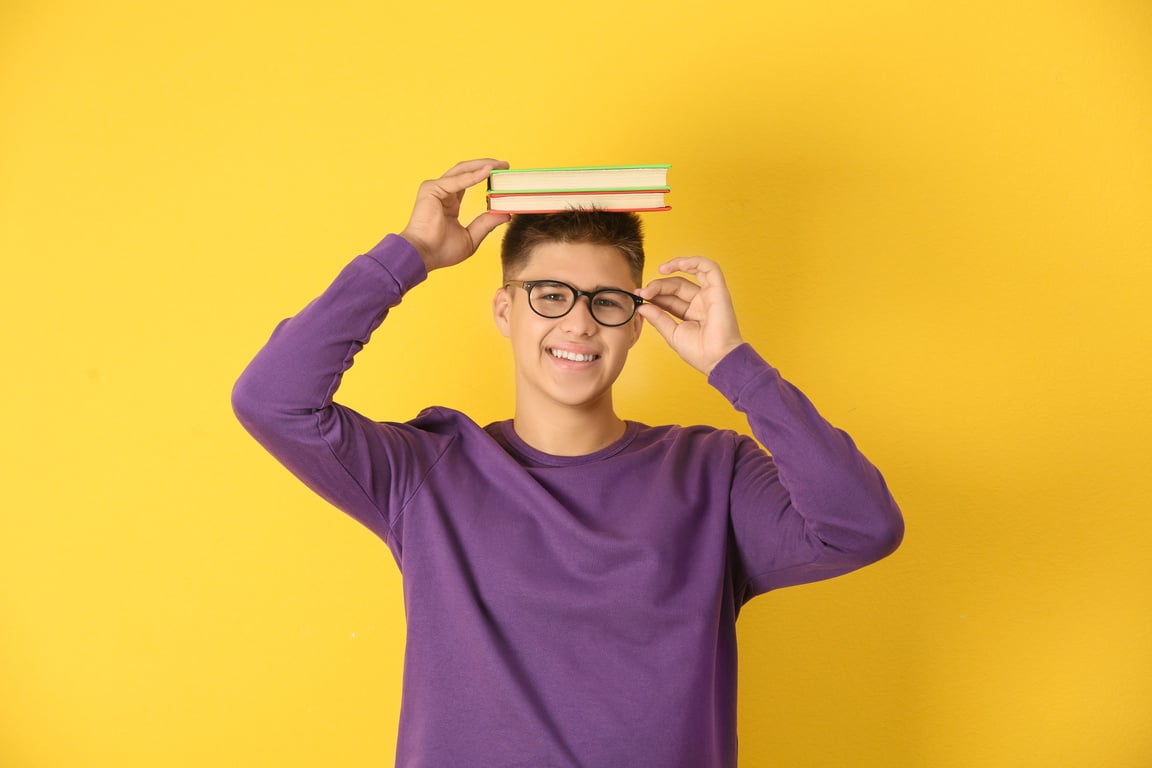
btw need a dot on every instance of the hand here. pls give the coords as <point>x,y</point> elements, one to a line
<point>707,329</point>
<point>435,229</point>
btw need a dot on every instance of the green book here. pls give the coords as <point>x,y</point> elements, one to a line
<point>592,178</point>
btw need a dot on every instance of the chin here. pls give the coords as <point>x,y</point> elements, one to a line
<point>572,395</point>
<point>571,399</point>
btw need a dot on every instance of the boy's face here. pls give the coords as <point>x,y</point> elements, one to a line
<point>543,377</point>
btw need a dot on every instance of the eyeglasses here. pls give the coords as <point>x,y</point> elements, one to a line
<point>552,299</point>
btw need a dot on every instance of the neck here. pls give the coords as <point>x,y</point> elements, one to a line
<point>562,430</point>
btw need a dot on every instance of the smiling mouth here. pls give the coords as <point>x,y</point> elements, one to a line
<point>574,357</point>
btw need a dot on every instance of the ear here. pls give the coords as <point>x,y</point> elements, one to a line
<point>637,326</point>
<point>501,309</point>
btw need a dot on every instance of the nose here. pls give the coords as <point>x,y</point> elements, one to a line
<point>579,320</point>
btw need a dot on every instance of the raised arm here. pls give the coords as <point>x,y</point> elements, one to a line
<point>284,398</point>
<point>816,507</point>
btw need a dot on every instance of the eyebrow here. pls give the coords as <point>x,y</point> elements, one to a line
<point>590,290</point>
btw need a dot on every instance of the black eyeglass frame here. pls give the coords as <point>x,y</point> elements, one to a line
<point>577,293</point>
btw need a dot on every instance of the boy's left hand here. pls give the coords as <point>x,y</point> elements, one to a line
<point>707,329</point>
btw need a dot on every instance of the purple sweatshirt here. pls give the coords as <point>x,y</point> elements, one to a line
<point>566,610</point>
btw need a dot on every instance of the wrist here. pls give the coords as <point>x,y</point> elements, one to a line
<point>727,350</point>
<point>421,248</point>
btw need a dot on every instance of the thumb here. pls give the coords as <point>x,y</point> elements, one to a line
<point>659,319</point>
<point>483,225</point>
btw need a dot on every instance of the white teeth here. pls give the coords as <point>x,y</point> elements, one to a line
<point>573,356</point>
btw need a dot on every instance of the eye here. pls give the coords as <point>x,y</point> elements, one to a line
<point>613,300</point>
<point>553,293</point>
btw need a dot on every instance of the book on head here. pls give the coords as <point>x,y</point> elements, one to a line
<point>585,178</point>
<point>555,202</point>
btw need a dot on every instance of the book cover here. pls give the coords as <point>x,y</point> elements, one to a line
<point>583,178</point>
<point>634,201</point>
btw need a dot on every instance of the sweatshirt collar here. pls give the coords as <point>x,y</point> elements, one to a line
<point>505,434</point>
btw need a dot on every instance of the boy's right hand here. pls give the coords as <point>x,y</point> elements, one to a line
<point>435,229</point>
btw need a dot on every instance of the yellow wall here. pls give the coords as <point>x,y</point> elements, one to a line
<point>935,220</point>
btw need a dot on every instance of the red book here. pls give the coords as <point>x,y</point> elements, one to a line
<point>600,200</point>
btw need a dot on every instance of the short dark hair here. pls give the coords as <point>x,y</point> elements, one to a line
<point>622,231</point>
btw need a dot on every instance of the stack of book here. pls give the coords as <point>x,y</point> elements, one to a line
<point>603,188</point>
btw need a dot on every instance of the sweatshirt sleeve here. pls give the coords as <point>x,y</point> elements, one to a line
<point>814,509</point>
<point>284,398</point>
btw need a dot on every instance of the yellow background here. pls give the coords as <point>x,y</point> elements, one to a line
<point>935,221</point>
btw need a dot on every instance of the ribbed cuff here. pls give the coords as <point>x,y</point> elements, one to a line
<point>737,370</point>
<point>402,261</point>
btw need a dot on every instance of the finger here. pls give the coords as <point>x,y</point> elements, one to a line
<point>689,264</point>
<point>680,287</point>
<point>706,270</point>
<point>483,225</point>
<point>672,304</point>
<point>468,166</point>
<point>459,178</point>
<point>659,319</point>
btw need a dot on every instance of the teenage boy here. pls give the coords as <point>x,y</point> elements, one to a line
<point>571,579</point>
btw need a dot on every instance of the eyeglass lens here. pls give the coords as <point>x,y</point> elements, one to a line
<point>609,306</point>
